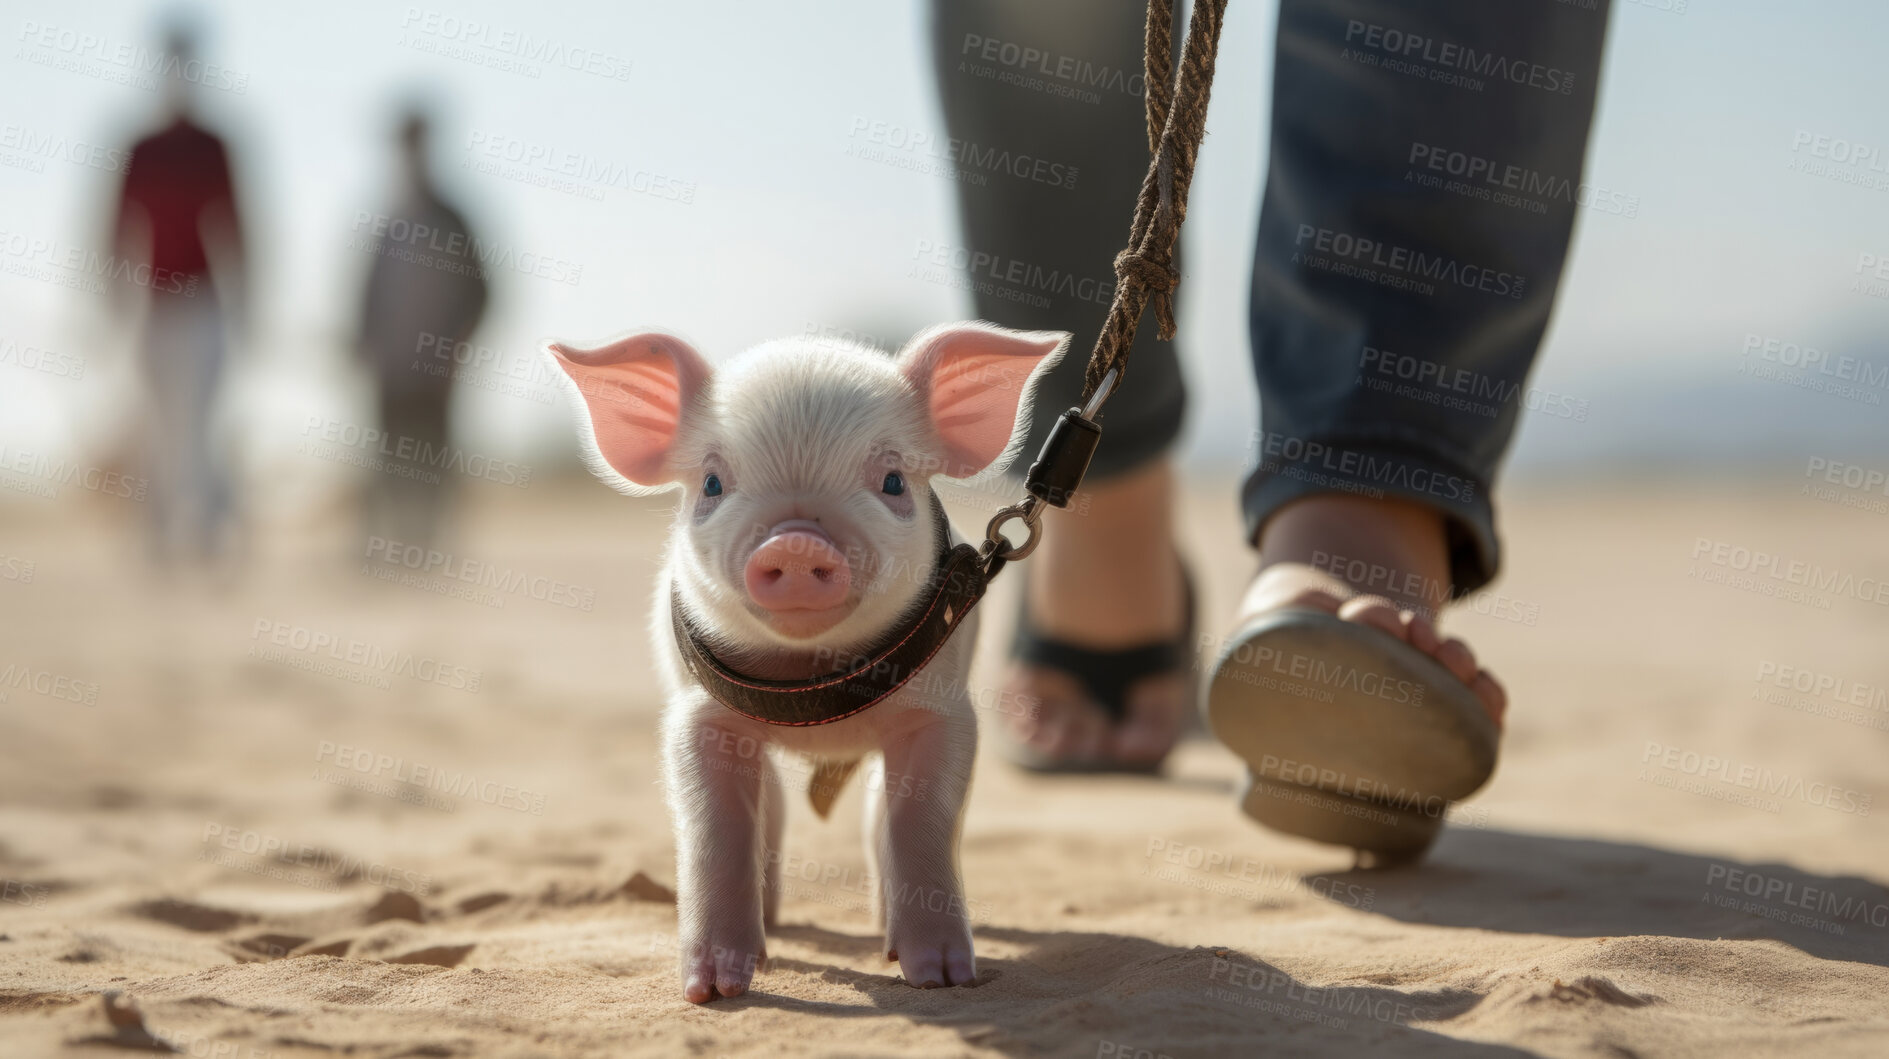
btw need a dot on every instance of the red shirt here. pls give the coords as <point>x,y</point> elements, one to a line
<point>176,177</point>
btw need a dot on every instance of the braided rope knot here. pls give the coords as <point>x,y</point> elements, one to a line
<point>1177,119</point>
<point>1158,277</point>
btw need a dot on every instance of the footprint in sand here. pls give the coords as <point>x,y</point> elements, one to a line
<point>190,915</point>
<point>437,955</point>
<point>328,948</point>
<point>1590,988</point>
<point>481,902</point>
<point>259,947</point>
<point>397,905</point>
<point>19,1003</point>
<point>644,888</point>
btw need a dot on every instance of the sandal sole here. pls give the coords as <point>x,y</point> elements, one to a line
<point>1350,736</point>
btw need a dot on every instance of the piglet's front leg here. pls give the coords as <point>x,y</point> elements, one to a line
<point>715,780</point>
<point>918,815</point>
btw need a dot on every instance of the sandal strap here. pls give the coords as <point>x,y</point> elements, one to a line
<point>1107,673</point>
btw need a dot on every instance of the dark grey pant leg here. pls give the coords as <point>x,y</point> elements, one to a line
<point>1043,101</point>
<point>1425,167</point>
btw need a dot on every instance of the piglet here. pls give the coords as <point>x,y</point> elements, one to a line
<point>805,534</point>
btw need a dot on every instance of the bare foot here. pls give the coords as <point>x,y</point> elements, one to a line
<point>1382,563</point>
<point>1104,577</point>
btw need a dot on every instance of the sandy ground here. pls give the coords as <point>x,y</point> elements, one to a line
<point>1676,857</point>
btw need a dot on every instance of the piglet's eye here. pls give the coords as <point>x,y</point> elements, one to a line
<point>894,484</point>
<point>711,486</point>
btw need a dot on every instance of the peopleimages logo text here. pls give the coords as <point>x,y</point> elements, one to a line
<point>1523,181</point>
<point>429,247</point>
<point>400,447</point>
<point>1077,71</point>
<point>356,652</point>
<point>965,155</point>
<point>1756,778</point>
<point>435,563</point>
<point>1839,366</point>
<point>502,40</point>
<point>1760,563</point>
<point>1822,900</point>
<point>1371,253</point>
<point>140,64</point>
<point>1415,46</point>
<point>457,782</point>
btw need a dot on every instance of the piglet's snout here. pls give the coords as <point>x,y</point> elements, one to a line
<point>798,568</point>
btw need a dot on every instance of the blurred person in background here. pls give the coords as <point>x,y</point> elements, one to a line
<point>426,292</point>
<point>177,214</point>
<point>1351,480</point>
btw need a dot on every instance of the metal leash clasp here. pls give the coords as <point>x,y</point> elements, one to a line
<point>1030,511</point>
<point>1051,482</point>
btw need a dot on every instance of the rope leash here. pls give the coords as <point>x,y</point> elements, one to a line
<point>1145,271</point>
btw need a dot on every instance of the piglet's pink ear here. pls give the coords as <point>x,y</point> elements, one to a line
<point>975,378</point>
<point>637,391</point>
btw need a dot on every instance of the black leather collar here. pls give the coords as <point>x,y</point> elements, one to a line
<point>955,584</point>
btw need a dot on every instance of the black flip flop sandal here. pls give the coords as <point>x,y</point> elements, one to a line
<point>1106,675</point>
<point>1350,735</point>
